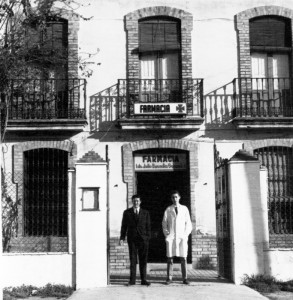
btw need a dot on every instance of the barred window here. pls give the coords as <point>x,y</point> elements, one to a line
<point>279,162</point>
<point>45,192</point>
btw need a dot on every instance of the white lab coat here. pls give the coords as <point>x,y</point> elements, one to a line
<point>176,229</point>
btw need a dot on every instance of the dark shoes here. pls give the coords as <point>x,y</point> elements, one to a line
<point>145,283</point>
<point>185,281</point>
<point>131,283</point>
<point>169,281</point>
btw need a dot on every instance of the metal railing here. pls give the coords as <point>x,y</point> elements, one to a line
<point>29,99</point>
<point>130,91</point>
<point>262,97</point>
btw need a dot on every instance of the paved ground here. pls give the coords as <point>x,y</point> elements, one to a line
<point>198,291</point>
<point>205,285</point>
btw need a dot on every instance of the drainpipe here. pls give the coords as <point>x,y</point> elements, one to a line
<point>108,217</point>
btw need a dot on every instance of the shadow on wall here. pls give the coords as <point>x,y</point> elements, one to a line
<point>218,106</point>
<point>103,108</point>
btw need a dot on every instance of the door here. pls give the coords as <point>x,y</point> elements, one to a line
<point>159,75</point>
<point>271,84</point>
<point>154,189</point>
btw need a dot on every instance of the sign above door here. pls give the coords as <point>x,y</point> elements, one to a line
<point>160,162</point>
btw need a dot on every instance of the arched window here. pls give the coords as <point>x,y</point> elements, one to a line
<point>279,162</point>
<point>270,48</point>
<point>45,192</point>
<point>160,57</point>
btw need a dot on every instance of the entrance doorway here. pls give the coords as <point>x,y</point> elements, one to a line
<point>154,189</point>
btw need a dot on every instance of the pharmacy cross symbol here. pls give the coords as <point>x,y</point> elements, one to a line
<point>180,108</point>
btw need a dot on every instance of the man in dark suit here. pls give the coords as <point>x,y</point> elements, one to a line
<point>136,226</point>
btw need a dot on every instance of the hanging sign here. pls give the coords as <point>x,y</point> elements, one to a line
<point>159,162</point>
<point>159,108</point>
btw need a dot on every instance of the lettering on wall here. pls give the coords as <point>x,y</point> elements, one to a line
<point>159,108</point>
<point>160,162</point>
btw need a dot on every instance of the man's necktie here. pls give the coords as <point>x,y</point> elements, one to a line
<point>136,214</point>
<point>176,210</point>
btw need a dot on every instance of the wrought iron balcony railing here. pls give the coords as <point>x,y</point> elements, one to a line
<point>40,99</point>
<point>159,92</point>
<point>262,97</point>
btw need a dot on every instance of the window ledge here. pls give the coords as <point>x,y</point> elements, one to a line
<point>190,123</point>
<point>262,122</point>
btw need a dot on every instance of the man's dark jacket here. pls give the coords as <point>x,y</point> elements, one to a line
<point>135,228</point>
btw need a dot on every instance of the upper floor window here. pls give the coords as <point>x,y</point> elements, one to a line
<point>270,47</point>
<point>159,48</point>
<point>46,48</point>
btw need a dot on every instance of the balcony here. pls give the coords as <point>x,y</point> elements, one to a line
<point>160,104</point>
<point>262,103</point>
<point>45,104</point>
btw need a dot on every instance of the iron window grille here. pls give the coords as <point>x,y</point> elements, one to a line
<point>279,163</point>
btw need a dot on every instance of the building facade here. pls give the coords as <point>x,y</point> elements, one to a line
<point>177,90</point>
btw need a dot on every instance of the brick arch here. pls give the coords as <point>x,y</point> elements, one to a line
<point>154,11</point>
<point>242,26</point>
<point>68,146</point>
<point>252,145</point>
<point>128,167</point>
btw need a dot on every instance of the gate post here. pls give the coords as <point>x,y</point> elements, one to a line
<point>248,221</point>
<point>91,219</point>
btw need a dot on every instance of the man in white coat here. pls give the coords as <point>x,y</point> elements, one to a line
<point>176,228</point>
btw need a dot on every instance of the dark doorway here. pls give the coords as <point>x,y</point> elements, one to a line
<point>154,189</point>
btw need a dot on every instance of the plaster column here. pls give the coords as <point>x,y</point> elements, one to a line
<point>248,224</point>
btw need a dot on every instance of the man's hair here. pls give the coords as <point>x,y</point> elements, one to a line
<point>174,192</point>
<point>135,196</point>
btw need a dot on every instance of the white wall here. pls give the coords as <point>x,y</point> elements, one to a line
<point>37,269</point>
<point>248,223</point>
<point>91,229</point>
<point>279,263</point>
<point>214,43</point>
<point>205,211</point>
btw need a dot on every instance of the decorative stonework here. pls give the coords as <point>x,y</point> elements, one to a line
<point>91,157</point>
<point>242,25</point>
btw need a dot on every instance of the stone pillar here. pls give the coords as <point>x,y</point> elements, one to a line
<point>91,222</point>
<point>248,221</point>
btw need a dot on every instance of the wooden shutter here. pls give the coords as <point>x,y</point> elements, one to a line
<point>270,31</point>
<point>157,34</point>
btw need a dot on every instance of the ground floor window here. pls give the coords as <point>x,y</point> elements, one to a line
<point>35,203</point>
<point>45,192</point>
<point>279,162</point>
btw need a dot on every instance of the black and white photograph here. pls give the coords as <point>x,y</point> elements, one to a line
<point>146,149</point>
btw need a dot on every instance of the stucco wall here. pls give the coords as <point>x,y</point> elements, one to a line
<point>37,269</point>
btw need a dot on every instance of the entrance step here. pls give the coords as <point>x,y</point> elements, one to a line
<point>157,273</point>
<point>163,266</point>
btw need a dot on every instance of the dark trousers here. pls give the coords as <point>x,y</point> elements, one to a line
<point>138,247</point>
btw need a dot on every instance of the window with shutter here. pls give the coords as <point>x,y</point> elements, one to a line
<point>47,48</point>
<point>159,50</point>
<point>158,35</point>
<point>159,47</point>
<point>270,47</point>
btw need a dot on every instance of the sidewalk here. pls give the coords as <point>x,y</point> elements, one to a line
<point>198,291</point>
<point>204,285</point>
